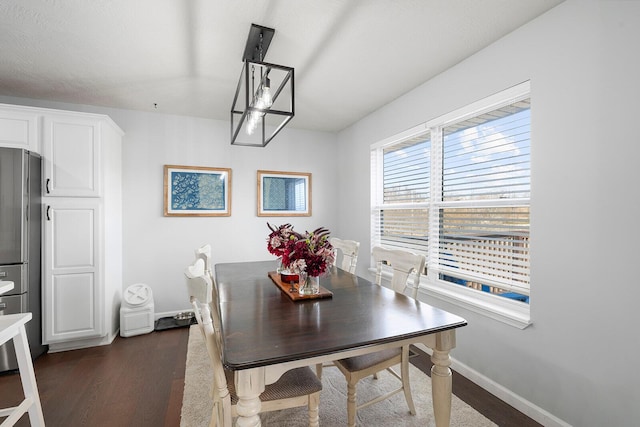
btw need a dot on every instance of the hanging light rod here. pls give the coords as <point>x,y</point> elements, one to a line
<point>255,105</point>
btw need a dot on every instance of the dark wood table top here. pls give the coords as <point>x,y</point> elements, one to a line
<point>263,326</point>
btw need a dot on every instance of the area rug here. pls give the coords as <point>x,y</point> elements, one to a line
<point>196,403</point>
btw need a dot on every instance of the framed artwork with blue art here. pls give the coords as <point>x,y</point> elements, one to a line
<point>284,193</point>
<point>197,191</point>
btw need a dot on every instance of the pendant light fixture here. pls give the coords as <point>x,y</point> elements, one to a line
<point>264,99</point>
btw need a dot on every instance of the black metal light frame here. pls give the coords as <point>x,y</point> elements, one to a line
<point>257,44</point>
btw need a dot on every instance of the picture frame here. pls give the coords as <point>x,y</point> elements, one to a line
<point>197,191</point>
<point>284,193</point>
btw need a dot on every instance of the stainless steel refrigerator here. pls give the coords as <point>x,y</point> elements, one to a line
<point>20,243</point>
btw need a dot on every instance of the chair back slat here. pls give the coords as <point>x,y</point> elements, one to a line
<point>204,253</point>
<point>349,249</point>
<point>198,287</point>
<point>403,263</point>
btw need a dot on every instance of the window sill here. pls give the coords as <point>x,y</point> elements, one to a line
<point>513,313</point>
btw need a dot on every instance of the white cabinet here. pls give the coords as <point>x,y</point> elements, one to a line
<point>72,293</point>
<point>71,147</point>
<point>82,242</point>
<point>19,128</point>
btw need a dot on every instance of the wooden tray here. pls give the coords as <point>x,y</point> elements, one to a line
<point>295,296</point>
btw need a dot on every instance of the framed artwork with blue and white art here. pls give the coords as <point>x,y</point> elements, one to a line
<point>197,191</point>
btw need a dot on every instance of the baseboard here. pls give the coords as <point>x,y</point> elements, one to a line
<point>529,409</point>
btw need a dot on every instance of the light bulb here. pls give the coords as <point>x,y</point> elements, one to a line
<point>266,99</point>
<point>266,93</point>
<point>260,102</point>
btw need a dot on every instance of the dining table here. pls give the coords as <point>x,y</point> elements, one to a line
<point>266,333</point>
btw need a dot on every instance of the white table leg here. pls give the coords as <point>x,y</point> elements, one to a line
<point>441,377</point>
<point>249,386</point>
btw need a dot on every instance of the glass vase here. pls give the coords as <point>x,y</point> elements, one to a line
<point>309,285</point>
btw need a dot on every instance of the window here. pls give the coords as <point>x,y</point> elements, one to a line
<point>457,189</point>
<point>402,219</point>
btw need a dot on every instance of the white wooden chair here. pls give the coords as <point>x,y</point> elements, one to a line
<point>355,368</point>
<point>297,387</point>
<point>349,249</point>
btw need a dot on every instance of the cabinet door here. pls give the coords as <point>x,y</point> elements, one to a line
<point>73,294</point>
<point>71,149</point>
<point>19,129</point>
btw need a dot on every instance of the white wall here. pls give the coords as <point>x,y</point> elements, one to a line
<point>576,361</point>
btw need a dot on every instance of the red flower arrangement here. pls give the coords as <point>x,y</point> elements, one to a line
<point>309,252</point>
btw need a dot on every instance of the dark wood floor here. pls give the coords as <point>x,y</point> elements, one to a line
<point>138,381</point>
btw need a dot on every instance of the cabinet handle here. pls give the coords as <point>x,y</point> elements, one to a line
<point>47,186</point>
<point>48,209</point>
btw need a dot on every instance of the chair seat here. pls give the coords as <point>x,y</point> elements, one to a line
<point>293,383</point>
<point>359,363</point>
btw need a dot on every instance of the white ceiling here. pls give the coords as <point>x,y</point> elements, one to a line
<point>350,56</point>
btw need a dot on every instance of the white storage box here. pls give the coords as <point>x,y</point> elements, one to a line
<point>137,311</point>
